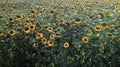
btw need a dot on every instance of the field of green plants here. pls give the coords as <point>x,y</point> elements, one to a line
<point>60,33</point>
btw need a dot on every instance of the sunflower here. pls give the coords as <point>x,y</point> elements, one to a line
<point>109,35</point>
<point>27,30</point>
<point>32,27</point>
<point>54,23</point>
<point>97,28</point>
<point>34,44</point>
<point>76,0</point>
<point>66,45</point>
<point>113,25</point>
<point>11,32</point>
<point>100,15</point>
<point>11,20</point>
<point>77,46</point>
<point>85,39</point>
<point>102,42</point>
<point>104,25</point>
<point>51,12</point>
<point>77,21</point>
<point>32,11</point>
<point>44,40</point>
<point>27,21</point>
<point>39,35</point>
<point>72,8</point>
<point>50,43</point>
<point>43,8</point>
<point>1,33</point>
<point>45,28</point>
<point>18,17</point>
<point>116,6</point>
<point>50,29</point>
<point>1,17</point>
<point>52,36</point>
<point>118,11</point>
<point>3,9</point>
<point>18,30</point>
<point>58,35</point>
<point>37,24</point>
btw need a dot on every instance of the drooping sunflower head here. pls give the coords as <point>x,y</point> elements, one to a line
<point>85,39</point>
<point>11,32</point>
<point>50,43</point>
<point>44,41</point>
<point>66,45</point>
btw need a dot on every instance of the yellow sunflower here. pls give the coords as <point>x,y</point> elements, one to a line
<point>1,17</point>
<point>118,11</point>
<point>104,25</point>
<point>77,46</point>
<point>1,33</point>
<point>50,43</point>
<point>32,27</point>
<point>18,30</point>
<point>52,36</point>
<point>51,12</point>
<point>66,45</point>
<point>39,35</point>
<point>43,8</point>
<point>27,30</point>
<point>97,28</point>
<point>44,41</point>
<point>32,11</point>
<point>77,21</point>
<point>18,17</point>
<point>113,25</point>
<point>109,35</point>
<point>76,0</point>
<point>35,44</point>
<point>11,32</point>
<point>11,20</point>
<point>58,35</point>
<point>85,39</point>
<point>116,6</point>
<point>50,29</point>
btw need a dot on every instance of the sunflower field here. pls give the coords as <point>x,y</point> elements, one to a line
<point>59,33</point>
